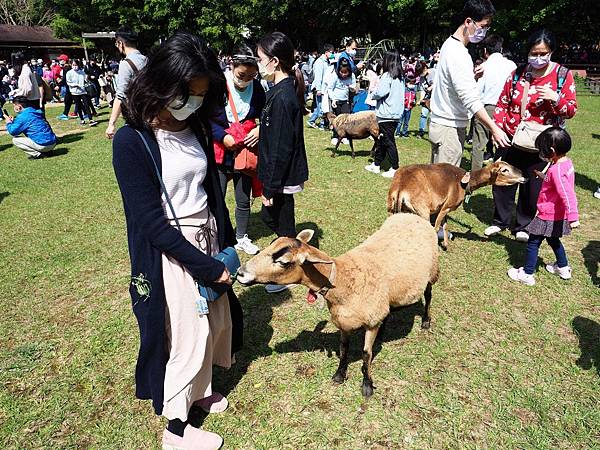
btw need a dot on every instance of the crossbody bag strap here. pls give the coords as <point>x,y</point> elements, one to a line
<point>162,184</point>
<point>232,105</point>
<point>132,65</point>
<point>524,100</point>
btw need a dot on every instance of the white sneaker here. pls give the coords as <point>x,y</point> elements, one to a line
<point>597,193</point>
<point>334,141</point>
<point>492,230</point>
<point>275,288</point>
<point>564,272</point>
<point>389,173</point>
<point>520,276</point>
<point>522,236</point>
<point>372,168</point>
<point>245,244</point>
<point>345,141</point>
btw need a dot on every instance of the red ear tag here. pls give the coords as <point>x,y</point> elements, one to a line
<point>311,297</point>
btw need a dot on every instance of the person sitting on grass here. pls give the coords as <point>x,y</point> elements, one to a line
<point>39,140</point>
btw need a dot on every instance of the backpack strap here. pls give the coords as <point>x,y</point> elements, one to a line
<point>517,75</point>
<point>561,76</point>
<point>132,65</point>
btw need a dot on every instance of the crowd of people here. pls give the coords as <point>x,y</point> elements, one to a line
<point>197,124</point>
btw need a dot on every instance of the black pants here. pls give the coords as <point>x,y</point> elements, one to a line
<point>280,217</point>
<point>342,107</point>
<point>243,188</point>
<point>82,107</point>
<point>387,144</point>
<point>504,196</point>
<point>68,102</point>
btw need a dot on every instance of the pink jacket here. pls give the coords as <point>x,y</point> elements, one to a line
<point>557,199</point>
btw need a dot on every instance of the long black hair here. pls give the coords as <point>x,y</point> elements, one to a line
<point>18,60</point>
<point>278,45</point>
<point>166,77</point>
<point>392,64</point>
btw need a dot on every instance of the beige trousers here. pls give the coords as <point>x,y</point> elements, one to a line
<point>196,342</point>
<point>446,143</point>
<point>30,147</point>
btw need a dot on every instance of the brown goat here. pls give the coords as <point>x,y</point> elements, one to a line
<point>427,189</point>
<point>358,125</point>
<point>394,267</point>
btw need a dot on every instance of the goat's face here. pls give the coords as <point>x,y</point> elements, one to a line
<point>282,262</point>
<point>503,174</point>
<point>331,118</point>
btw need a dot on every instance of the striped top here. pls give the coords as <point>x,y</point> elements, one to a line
<point>557,200</point>
<point>184,166</point>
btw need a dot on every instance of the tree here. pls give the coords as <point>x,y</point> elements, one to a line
<point>25,12</point>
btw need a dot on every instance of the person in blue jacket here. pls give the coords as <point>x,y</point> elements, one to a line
<point>390,107</point>
<point>38,139</point>
<point>168,137</point>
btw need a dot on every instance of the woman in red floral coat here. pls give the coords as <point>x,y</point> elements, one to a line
<point>550,101</point>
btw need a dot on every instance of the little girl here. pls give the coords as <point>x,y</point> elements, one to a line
<point>556,207</point>
<point>339,92</point>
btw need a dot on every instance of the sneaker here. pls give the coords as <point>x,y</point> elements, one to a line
<point>245,245</point>
<point>193,438</point>
<point>311,124</point>
<point>564,272</point>
<point>522,236</point>
<point>520,276</point>
<point>493,230</point>
<point>372,168</point>
<point>63,117</point>
<point>275,288</point>
<point>82,122</point>
<point>345,141</point>
<point>440,234</point>
<point>72,114</point>
<point>93,123</point>
<point>389,173</point>
<point>597,193</point>
<point>214,404</point>
<point>32,157</point>
<point>334,141</point>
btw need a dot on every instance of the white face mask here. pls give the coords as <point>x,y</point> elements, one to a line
<point>183,112</point>
<point>265,73</point>
<point>352,52</point>
<point>539,62</point>
<point>239,83</point>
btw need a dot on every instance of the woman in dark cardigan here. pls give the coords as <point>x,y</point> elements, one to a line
<point>177,347</point>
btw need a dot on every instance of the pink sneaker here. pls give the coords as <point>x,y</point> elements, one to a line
<point>193,439</point>
<point>216,403</point>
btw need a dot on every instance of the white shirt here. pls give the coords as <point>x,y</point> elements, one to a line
<point>184,167</point>
<point>455,93</point>
<point>497,69</point>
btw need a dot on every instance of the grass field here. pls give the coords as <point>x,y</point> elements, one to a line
<point>504,365</point>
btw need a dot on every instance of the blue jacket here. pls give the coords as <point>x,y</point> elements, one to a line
<point>32,123</point>
<point>390,98</point>
<point>149,234</point>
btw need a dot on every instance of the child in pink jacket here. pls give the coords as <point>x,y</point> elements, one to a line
<point>556,207</point>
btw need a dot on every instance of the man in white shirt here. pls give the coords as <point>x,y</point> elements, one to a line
<point>493,74</point>
<point>455,93</point>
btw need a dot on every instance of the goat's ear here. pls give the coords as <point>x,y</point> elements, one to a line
<point>305,235</point>
<point>313,259</point>
<point>499,159</point>
<point>286,258</point>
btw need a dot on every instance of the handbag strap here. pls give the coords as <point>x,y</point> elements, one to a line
<point>162,183</point>
<point>524,99</point>
<point>232,105</point>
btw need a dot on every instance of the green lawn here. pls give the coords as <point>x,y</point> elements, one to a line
<point>504,365</point>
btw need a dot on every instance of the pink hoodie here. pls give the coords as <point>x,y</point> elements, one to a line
<point>557,199</point>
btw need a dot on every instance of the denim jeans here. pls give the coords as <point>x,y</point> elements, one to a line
<point>533,247</point>
<point>402,128</point>
<point>317,111</point>
<point>423,119</point>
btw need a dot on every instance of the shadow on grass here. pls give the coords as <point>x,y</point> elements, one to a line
<point>588,332</point>
<point>595,135</point>
<point>3,195</point>
<point>5,147</point>
<point>59,152</point>
<point>357,153</point>
<point>591,259</point>
<point>258,312</point>
<point>396,326</point>
<point>585,182</point>
<point>69,138</point>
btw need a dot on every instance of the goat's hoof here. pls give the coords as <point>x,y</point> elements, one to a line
<point>353,157</point>
<point>367,389</point>
<point>426,324</point>
<point>339,378</point>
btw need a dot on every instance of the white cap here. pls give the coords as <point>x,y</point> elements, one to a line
<point>40,61</point>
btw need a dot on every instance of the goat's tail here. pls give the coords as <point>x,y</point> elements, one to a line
<point>398,201</point>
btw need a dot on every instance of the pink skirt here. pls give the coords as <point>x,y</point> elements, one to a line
<point>195,342</point>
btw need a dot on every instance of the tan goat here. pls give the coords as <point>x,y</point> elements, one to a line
<point>358,125</point>
<point>396,266</point>
<point>427,189</point>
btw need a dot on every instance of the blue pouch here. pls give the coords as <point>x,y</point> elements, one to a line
<point>212,291</point>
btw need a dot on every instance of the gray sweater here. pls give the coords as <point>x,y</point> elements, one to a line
<point>390,98</point>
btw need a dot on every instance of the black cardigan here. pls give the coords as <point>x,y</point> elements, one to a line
<point>281,153</point>
<point>149,234</point>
